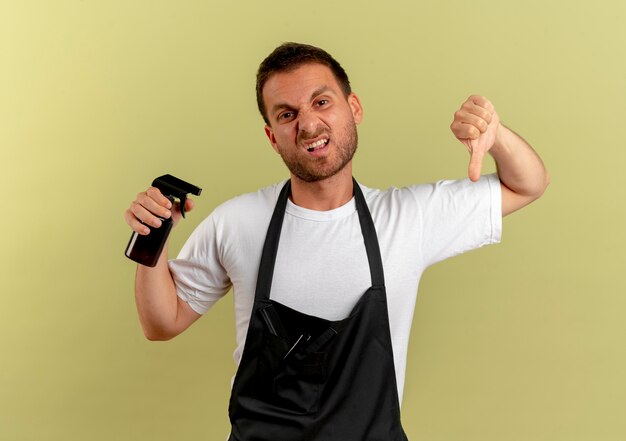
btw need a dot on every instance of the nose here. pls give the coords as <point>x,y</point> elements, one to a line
<point>308,123</point>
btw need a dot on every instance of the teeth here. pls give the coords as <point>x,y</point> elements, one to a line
<point>320,143</point>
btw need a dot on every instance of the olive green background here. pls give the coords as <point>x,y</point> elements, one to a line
<point>520,341</point>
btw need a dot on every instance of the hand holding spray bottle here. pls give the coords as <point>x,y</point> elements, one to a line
<point>146,250</point>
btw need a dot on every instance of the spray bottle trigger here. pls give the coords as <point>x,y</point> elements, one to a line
<point>183,199</point>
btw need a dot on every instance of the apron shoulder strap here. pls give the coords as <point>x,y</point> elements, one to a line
<point>370,237</point>
<point>270,248</point>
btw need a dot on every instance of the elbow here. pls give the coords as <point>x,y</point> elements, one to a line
<point>157,334</point>
<point>540,186</point>
<point>153,337</point>
<point>545,182</point>
<point>513,200</point>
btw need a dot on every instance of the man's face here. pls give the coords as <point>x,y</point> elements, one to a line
<point>312,124</point>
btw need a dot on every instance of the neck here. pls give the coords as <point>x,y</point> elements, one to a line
<point>323,195</point>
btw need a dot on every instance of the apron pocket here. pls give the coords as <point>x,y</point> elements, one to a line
<point>298,384</point>
<point>292,383</point>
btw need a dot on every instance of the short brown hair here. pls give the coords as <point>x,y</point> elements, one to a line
<point>290,56</point>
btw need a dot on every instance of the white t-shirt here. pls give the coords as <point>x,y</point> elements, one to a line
<point>321,266</point>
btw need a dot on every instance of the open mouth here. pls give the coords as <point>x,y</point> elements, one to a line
<point>317,145</point>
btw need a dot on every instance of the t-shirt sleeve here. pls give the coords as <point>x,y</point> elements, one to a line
<point>459,216</point>
<point>201,279</point>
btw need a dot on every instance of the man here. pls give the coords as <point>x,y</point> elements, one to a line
<point>325,271</point>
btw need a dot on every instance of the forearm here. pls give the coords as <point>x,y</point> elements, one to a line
<point>156,299</point>
<point>519,167</point>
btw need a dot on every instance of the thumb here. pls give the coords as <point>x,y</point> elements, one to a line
<point>475,165</point>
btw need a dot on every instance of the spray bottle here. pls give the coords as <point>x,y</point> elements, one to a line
<point>146,250</point>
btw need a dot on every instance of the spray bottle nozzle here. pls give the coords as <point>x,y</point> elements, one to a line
<point>172,187</point>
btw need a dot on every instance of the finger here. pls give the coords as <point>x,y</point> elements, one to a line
<point>475,165</point>
<point>475,120</point>
<point>141,214</point>
<point>158,197</point>
<point>177,213</point>
<point>481,101</point>
<point>135,224</point>
<point>189,204</point>
<point>464,131</point>
<point>153,201</point>
<point>484,111</point>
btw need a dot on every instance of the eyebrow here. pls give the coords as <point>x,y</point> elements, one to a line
<point>320,90</point>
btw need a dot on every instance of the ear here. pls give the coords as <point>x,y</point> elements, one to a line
<point>355,105</point>
<point>270,135</point>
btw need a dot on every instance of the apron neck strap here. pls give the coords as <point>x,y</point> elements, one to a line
<point>270,248</point>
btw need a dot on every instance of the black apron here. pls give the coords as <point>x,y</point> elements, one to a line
<point>304,378</point>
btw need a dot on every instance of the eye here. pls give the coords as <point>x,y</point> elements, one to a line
<point>286,116</point>
<point>322,102</point>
